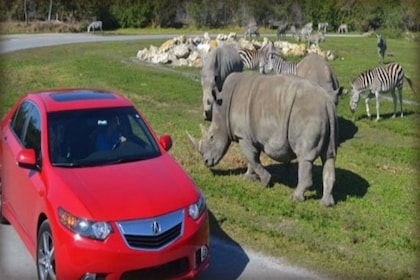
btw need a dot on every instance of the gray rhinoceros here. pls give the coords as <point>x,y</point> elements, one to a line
<point>217,65</point>
<point>284,116</point>
<point>314,68</point>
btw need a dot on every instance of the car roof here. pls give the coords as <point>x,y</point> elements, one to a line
<point>78,98</point>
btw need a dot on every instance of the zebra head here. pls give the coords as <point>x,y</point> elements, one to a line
<point>354,98</point>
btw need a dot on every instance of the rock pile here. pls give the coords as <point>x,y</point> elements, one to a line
<point>188,51</point>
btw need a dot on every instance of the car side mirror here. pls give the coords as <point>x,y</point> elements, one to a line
<point>166,142</point>
<point>26,158</point>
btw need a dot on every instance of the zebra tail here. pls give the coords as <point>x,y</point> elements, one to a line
<point>410,83</point>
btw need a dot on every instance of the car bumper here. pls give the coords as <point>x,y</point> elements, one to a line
<point>77,257</point>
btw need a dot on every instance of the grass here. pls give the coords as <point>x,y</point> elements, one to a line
<point>371,233</point>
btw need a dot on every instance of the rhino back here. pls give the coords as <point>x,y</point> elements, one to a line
<point>228,61</point>
<point>219,63</point>
<point>276,112</point>
<point>314,68</point>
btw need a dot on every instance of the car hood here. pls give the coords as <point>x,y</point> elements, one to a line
<point>132,190</point>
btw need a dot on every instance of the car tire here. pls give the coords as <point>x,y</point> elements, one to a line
<point>45,257</point>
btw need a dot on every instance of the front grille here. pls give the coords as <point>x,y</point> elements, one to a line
<point>152,233</point>
<point>164,271</point>
<point>156,241</point>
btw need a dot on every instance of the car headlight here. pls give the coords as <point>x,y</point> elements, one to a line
<point>195,210</point>
<point>91,229</point>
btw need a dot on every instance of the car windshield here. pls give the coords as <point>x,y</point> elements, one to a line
<point>98,136</point>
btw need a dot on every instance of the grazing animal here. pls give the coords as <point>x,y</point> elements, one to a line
<point>256,58</point>
<point>295,33</point>
<point>279,65</point>
<point>381,43</point>
<point>216,66</point>
<point>281,30</point>
<point>314,68</point>
<point>322,27</point>
<point>381,79</point>
<point>315,39</point>
<point>252,29</point>
<point>284,116</point>
<point>306,31</point>
<point>342,28</point>
<point>95,25</point>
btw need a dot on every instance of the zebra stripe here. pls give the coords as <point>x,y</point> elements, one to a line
<point>378,80</point>
<point>281,66</point>
<point>255,58</point>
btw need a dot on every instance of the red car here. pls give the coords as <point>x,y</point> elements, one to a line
<point>94,194</point>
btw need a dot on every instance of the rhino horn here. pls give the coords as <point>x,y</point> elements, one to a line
<point>194,141</point>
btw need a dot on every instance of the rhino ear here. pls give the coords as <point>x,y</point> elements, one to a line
<point>217,97</point>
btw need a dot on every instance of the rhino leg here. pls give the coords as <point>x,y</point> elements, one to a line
<point>328,180</point>
<point>304,180</point>
<point>254,165</point>
<point>250,174</point>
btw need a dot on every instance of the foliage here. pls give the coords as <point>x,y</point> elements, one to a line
<point>360,15</point>
<point>369,234</point>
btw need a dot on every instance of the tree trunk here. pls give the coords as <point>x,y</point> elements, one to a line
<point>49,11</point>
<point>25,12</point>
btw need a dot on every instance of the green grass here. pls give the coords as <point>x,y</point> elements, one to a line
<point>369,234</point>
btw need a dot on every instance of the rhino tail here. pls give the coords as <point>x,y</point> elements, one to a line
<point>333,123</point>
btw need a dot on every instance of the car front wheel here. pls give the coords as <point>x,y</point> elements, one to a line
<point>45,253</point>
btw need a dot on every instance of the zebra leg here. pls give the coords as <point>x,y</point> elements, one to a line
<point>367,106</point>
<point>401,101</point>
<point>377,106</point>
<point>394,99</point>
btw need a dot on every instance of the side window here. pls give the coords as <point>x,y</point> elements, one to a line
<point>33,133</point>
<point>26,123</point>
<point>20,118</point>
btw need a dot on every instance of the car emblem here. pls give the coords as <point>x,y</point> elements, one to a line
<point>156,228</point>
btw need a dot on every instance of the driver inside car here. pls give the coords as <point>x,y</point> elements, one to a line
<point>110,137</point>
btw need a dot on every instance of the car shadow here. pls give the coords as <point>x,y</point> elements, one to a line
<point>227,258</point>
<point>347,183</point>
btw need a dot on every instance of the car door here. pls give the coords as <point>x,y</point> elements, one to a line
<point>24,185</point>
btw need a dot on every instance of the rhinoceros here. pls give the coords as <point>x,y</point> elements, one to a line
<point>314,68</point>
<point>217,65</point>
<point>284,116</point>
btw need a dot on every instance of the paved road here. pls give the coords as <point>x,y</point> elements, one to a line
<point>228,260</point>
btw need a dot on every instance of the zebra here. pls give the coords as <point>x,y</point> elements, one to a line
<point>294,33</point>
<point>281,30</point>
<point>252,29</point>
<point>342,28</point>
<point>381,79</point>
<point>322,27</point>
<point>381,43</point>
<point>314,39</point>
<point>306,30</point>
<point>256,58</point>
<point>95,25</point>
<point>280,65</point>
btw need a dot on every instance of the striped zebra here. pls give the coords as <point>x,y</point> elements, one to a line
<point>381,43</point>
<point>256,58</point>
<point>95,25</point>
<point>381,79</point>
<point>252,29</point>
<point>279,65</point>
